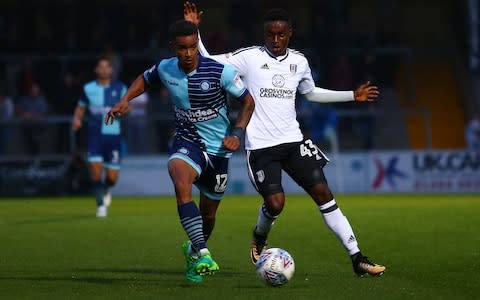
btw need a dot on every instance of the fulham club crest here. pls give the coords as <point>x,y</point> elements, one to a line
<point>260,176</point>
<point>293,68</point>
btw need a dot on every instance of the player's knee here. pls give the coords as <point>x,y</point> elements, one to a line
<point>274,203</point>
<point>320,193</point>
<point>182,185</point>
<point>96,176</point>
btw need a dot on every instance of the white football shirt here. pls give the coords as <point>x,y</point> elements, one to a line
<point>273,83</point>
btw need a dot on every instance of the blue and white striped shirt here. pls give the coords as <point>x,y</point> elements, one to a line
<point>199,99</point>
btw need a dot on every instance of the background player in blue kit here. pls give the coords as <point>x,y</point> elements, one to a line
<point>204,139</point>
<point>97,97</point>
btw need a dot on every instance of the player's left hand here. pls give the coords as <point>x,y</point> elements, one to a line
<point>117,111</point>
<point>231,143</point>
<point>366,92</point>
<point>190,13</point>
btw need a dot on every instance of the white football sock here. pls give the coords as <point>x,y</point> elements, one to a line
<point>338,223</point>
<point>265,221</point>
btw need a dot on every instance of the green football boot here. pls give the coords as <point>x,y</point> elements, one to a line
<point>205,265</point>
<point>191,273</point>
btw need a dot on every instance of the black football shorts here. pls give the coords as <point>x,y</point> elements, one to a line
<point>302,161</point>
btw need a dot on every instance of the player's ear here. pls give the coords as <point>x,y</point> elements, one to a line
<point>171,44</point>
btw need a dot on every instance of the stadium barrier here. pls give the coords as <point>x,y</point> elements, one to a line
<point>360,172</point>
<point>370,172</point>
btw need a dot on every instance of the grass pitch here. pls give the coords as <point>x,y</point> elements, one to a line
<point>57,249</point>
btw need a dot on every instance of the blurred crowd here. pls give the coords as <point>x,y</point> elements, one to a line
<point>48,52</point>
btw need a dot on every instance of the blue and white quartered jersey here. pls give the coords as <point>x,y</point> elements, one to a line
<point>199,100</point>
<point>98,100</point>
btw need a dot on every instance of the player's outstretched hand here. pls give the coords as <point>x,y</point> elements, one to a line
<point>366,92</point>
<point>118,110</point>
<point>190,13</point>
<point>231,143</point>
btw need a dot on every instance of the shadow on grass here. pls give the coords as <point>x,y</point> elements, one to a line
<point>122,276</point>
<point>143,270</point>
<point>83,279</point>
<point>137,276</point>
<point>130,271</point>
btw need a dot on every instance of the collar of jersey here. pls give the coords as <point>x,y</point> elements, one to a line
<point>103,86</point>
<point>279,58</point>
<point>195,70</point>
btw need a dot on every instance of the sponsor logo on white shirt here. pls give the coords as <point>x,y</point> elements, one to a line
<point>278,81</point>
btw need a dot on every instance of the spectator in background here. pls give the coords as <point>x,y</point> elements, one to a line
<point>29,108</point>
<point>6,112</point>
<point>64,103</point>
<point>26,78</point>
<point>472,134</point>
<point>136,126</point>
<point>320,122</point>
<point>341,73</point>
<point>165,130</point>
<point>364,126</point>
<point>115,58</point>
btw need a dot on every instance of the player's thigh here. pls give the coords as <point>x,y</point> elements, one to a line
<point>213,181</point>
<point>96,169</point>
<point>95,156</point>
<point>111,152</point>
<point>304,164</point>
<point>265,171</point>
<point>112,174</point>
<point>185,164</point>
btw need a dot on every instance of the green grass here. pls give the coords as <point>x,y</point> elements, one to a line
<point>57,249</point>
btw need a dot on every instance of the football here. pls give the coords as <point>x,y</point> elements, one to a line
<point>275,267</point>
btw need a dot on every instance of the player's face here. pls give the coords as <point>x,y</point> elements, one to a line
<point>186,49</point>
<point>277,35</point>
<point>104,70</point>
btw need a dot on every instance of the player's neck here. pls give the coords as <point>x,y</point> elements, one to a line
<point>277,56</point>
<point>104,82</point>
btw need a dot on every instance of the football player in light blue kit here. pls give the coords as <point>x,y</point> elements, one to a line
<point>204,139</point>
<point>97,97</point>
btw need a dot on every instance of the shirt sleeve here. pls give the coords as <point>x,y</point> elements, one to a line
<point>123,91</point>
<point>83,100</point>
<point>306,84</point>
<point>232,83</point>
<point>152,75</point>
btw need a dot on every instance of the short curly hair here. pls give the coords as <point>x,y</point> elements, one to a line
<point>277,14</point>
<point>181,28</point>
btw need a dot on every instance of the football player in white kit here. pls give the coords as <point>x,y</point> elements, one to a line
<point>273,73</point>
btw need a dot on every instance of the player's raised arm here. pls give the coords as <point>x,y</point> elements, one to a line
<point>136,88</point>
<point>191,13</point>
